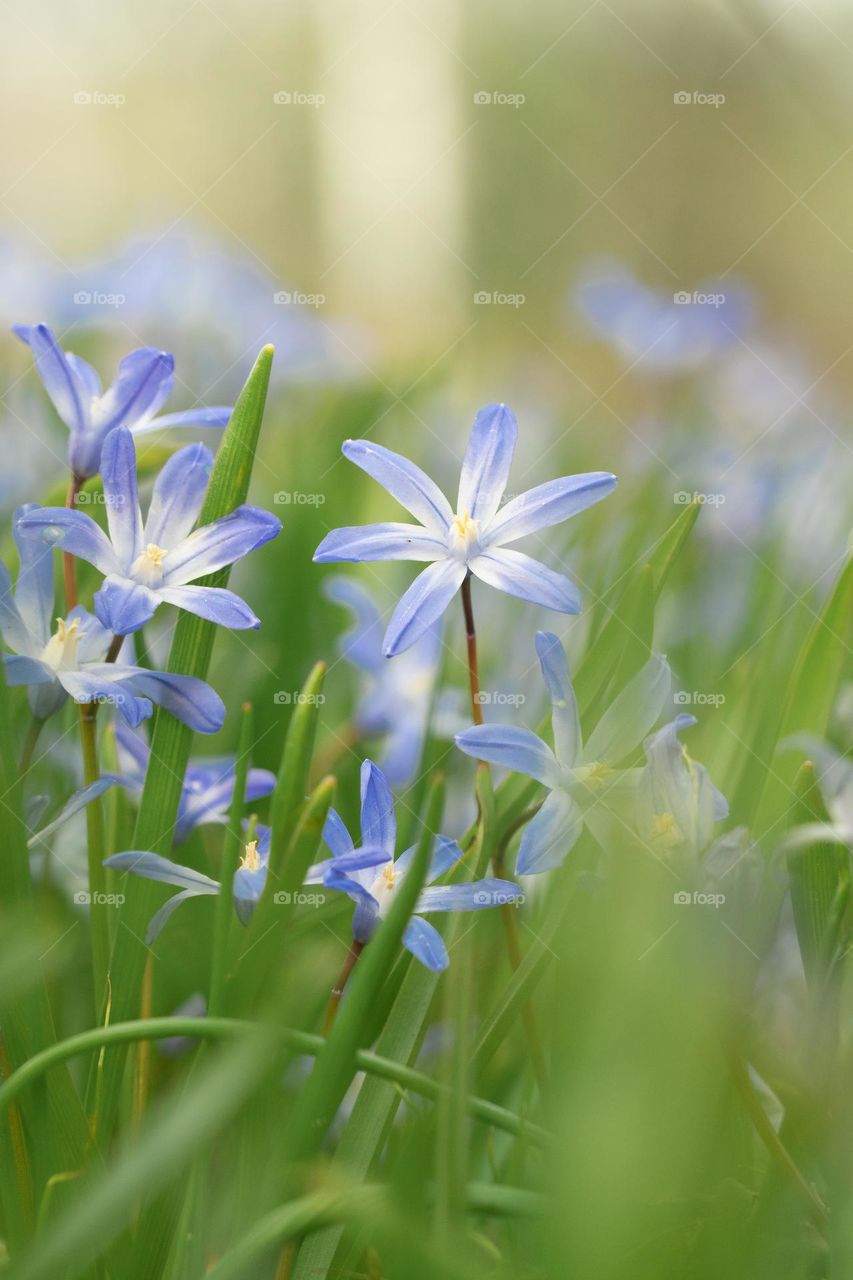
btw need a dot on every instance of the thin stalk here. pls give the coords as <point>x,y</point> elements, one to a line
<point>69,564</point>
<point>301,1042</point>
<point>96,841</point>
<point>31,737</point>
<point>230,861</point>
<point>20,1160</point>
<point>507,912</point>
<point>349,964</point>
<point>776,1148</point>
<point>143,1053</point>
<point>471,641</point>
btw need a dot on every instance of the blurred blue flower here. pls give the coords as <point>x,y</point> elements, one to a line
<point>473,540</point>
<point>583,779</point>
<point>663,332</point>
<point>373,886</point>
<point>208,785</point>
<point>677,803</point>
<point>398,695</point>
<point>143,385</point>
<point>249,880</point>
<point>69,662</point>
<point>146,565</point>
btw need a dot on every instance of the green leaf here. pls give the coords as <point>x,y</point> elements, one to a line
<point>171,741</point>
<point>292,786</point>
<point>817,877</point>
<point>820,667</point>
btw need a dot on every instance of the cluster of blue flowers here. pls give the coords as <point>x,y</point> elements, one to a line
<point>145,562</point>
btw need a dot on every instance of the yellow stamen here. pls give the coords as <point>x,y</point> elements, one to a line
<point>250,860</point>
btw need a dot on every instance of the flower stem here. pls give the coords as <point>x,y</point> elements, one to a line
<point>354,952</point>
<point>31,737</point>
<point>471,640</point>
<point>115,648</point>
<point>99,921</point>
<point>69,565</point>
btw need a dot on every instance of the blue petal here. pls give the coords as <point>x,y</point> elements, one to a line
<point>162,917</point>
<point>488,458</point>
<point>152,866</point>
<point>34,594</point>
<point>219,544</point>
<point>123,606</point>
<point>186,698</point>
<point>424,602</point>
<point>564,709</point>
<point>426,944</point>
<point>529,579</point>
<point>632,713</point>
<point>336,835</point>
<point>469,897</point>
<point>378,820</point>
<point>178,495</point>
<point>121,496</point>
<point>78,801</point>
<point>385,541</point>
<point>133,752</point>
<point>87,376</point>
<point>216,604</point>
<point>362,644</point>
<point>75,532</point>
<point>202,416</point>
<point>60,380</point>
<point>23,671</point>
<point>143,384</point>
<point>550,835</point>
<point>248,887</point>
<point>548,504</point>
<point>512,747</point>
<point>445,854</point>
<point>12,626</point>
<point>365,915</point>
<point>405,481</point>
<point>361,859</point>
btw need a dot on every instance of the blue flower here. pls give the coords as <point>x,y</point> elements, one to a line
<point>145,565</point>
<point>398,696</point>
<point>249,880</point>
<point>208,785</point>
<point>70,660</point>
<point>474,539</point>
<point>677,803</point>
<point>143,385</point>
<point>664,333</point>
<point>583,779</point>
<point>372,887</point>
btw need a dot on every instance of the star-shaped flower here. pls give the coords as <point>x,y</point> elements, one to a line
<point>70,660</point>
<point>372,888</point>
<point>147,565</point>
<point>143,386</point>
<point>584,779</point>
<point>473,539</point>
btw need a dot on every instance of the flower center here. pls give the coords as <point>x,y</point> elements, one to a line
<point>148,568</point>
<point>463,535</point>
<point>251,860</point>
<point>60,652</point>
<point>596,774</point>
<point>384,885</point>
<point>665,830</point>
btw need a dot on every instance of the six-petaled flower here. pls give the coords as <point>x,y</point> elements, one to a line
<point>474,538</point>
